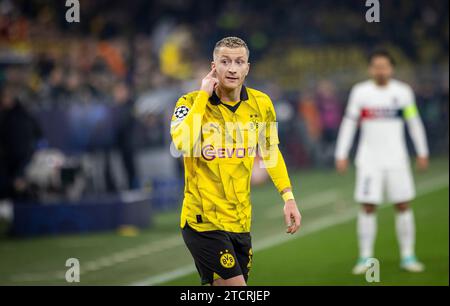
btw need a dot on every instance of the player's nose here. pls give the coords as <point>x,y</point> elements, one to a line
<point>232,69</point>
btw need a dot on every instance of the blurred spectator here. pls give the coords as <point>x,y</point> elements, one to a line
<point>75,73</point>
<point>309,114</point>
<point>330,117</point>
<point>124,128</point>
<point>122,132</point>
<point>19,135</point>
<point>330,111</point>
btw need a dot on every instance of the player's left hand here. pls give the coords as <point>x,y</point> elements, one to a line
<point>422,163</point>
<point>292,216</point>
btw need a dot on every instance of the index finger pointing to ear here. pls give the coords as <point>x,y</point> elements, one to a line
<point>212,72</point>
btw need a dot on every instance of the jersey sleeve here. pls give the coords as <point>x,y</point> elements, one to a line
<point>353,110</point>
<point>185,127</point>
<point>273,160</point>
<point>268,132</point>
<point>348,126</point>
<point>276,167</point>
<point>414,123</point>
<point>409,110</point>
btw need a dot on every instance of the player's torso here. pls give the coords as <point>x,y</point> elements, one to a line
<point>382,139</point>
<point>227,136</point>
<point>218,178</point>
<point>227,150</point>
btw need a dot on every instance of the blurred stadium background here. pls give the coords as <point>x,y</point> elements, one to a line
<point>85,164</point>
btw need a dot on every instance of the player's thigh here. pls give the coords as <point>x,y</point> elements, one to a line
<point>400,185</point>
<point>234,281</point>
<point>369,185</point>
<point>213,253</point>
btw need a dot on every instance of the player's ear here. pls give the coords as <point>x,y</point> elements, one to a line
<point>248,69</point>
<point>213,65</point>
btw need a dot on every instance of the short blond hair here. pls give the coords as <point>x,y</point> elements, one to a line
<point>231,42</point>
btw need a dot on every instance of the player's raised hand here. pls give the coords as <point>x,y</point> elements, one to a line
<point>422,163</point>
<point>341,165</point>
<point>292,216</point>
<point>210,82</point>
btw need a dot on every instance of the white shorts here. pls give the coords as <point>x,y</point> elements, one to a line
<point>373,183</point>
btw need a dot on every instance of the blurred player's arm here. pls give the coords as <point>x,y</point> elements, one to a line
<point>416,130</point>
<point>347,132</point>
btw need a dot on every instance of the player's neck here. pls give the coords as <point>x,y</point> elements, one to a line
<point>382,83</point>
<point>232,95</point>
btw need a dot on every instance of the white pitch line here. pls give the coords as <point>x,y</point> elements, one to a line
<point>321,224</point>
<point>430,184</point>
<point>104,262</point>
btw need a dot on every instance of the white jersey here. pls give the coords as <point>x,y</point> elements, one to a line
<point>381,112</point>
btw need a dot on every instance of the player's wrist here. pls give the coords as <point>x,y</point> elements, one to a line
<point>287,196</point>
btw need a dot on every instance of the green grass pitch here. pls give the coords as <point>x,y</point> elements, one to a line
<point>322,254</point>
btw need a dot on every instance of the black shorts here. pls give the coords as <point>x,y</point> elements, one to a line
<point>219,254</point>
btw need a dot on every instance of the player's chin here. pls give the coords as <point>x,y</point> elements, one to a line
<point>231,84</point>
<point>382,79</point>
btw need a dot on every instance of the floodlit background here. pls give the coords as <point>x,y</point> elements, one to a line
<point>85,164</point>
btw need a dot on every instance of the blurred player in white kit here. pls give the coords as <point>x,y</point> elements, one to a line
<point>381,105</point>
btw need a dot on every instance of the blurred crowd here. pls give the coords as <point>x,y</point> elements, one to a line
<point>109,83</point>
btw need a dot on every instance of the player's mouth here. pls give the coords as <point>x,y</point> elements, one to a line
<point>232,79</point>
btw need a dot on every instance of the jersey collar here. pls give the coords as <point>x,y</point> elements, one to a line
<point>215,100</point>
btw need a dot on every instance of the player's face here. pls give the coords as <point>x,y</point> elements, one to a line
<point>381,69</point>
<point>232,67</point>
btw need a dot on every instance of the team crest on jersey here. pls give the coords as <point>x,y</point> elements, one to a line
<point>227,259</point>
<point>254,124</point>
<point>181,112</point>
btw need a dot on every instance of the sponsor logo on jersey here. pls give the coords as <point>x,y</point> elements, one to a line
<point>378,113</point>
<point>210,153</point>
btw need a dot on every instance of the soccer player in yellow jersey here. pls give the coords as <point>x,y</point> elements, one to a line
<point>218,129</point>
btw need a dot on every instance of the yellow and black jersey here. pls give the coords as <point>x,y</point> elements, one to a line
<point>219,141</point>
